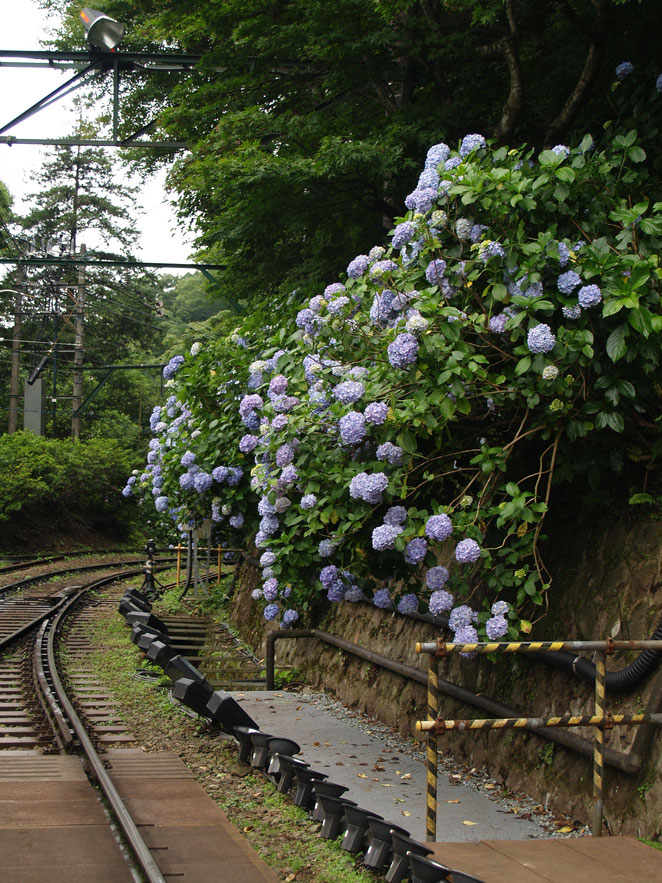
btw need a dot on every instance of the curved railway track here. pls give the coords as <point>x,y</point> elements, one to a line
<point>37,710</point>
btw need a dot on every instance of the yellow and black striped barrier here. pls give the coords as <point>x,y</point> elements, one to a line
<point>600,720</point>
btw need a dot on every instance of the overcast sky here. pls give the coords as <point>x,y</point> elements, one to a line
<point>22,26</point>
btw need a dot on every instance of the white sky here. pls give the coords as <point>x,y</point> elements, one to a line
<point>22,26</point>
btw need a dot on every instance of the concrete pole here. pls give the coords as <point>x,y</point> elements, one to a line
<point>14,381</point>
<point>78,350</point>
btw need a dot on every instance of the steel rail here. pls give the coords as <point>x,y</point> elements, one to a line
<point>123,816</point>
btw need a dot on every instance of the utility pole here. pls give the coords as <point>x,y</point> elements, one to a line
<point>14,382</point>
<point>78,350</point>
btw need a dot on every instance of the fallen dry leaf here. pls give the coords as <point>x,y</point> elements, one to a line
<point>378,769</point>
<point>490,787</point>
<point>452,801</point>
<point>362,775</point>
<point>566,829</point>
<point>316,744</point>
<point>467,822</point>
<point>405,812</point>
<point>384,785</point>
<point>406,776</point>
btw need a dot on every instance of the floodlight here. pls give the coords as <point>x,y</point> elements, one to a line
<point>101,30</point>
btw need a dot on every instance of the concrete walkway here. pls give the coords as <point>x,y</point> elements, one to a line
<point>379,778</point>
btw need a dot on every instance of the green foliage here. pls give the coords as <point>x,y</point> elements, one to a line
<point>61,476</point>
<point>488,422</point>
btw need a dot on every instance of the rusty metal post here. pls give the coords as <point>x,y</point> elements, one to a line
<point>598,744</point>
<point>219,563</point>
<point>179,563</point>
<point>432,749</point>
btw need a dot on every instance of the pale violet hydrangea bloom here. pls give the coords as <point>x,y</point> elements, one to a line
<point>376,413</point>
<point>467,551</point>
<point>248,443</point>
<point>416,550</point>
<point>384,536</point>
<point>497,324</point>
<point>434,272</point>
<point>271,612</point>
<point>403,351</point>
<point>352,428</point>
<point>568,281</point>
<point>573,312</point>
<point>349,391</point>
<point>496,627</point>
<point>460,617</point>
<point>440,602</point>
<point>540,339</point>
<point>561,150</point>
<point>390,453</point>
<point>326,548</point>
<point>382,598</point>
<point>436,578</point>
<point>381,268</point>
<point>589,296</point>
<point>499,608</point>
<point>438,527</point>
<point>236,521</point>
<point>623,70</point>
<point>290,616</point>
<point>395,515</point>
<point>309,501</point>
<point>421,201</point>
<point>402,234</point>
<point>408,604</point>
<point>471,143</point>
<point>358,266</point>
<point>368,487</point>
<point>438,153</point>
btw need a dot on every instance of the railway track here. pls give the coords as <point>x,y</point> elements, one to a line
<point>44,713</point>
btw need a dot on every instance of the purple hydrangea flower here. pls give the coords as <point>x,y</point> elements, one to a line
<point>623,70</point>
<point>336,591</point>
<point>161,504</point>
<point>288,476</point>
<point>270,589</point>
<point>490,249</point>
<point>428,179</point>
<point>248,443</point>
<point>589,296</point>
<point>309,501</point>
<point>381,268</point>
<point>326,548</point>
<point>416,550</point>
<point>328,574</point>
<point>186,481</point>
<point>188,458</point>
<point>290,616</point>
<point>349,391</point>
<point>376,413</point>
<point>271,612</point>
<point>471,143</point>
<point>395,515</point>
<point>573,312</point>
<point>658,83</point>
<point>408,604</point>
<point>564,254</point>
<point>440,601</point>
<point>265,507</point>
<point>267,558</point>
<point>173,367</point>
<point>368,487</point>
<point>453,162</point>
<point>499,608</point>
<point>352,428</point>
<point>384,536</point>
<point>561,150</point>
<point>421,201</point>
<point>436,578</point>
<point>256,594</point>
<point>279,422</point>
<point>467,551</point>
<point>202,482</point>
<point>497,324</point>
<point>496,628</point>
<point>402,234</point>
<point>460,617</point>
<point>334,289</point>
<point>338,305</point>
<point>568,281</point>
<point>284,455</point>
<point>358,266</point>
<point>391,453</point>
<point>220,474</point>
<point>250,402</point>
<point>236,521</point>
<point>467,634</point>
<point>278,385</point>
<point>434,271</point>
<point>540,339</point>
<point>476,232</point>
<point>235,474</point>
<point>438,527</point>
<point>382,599</point>
<point>269,525</point>
<point>438,153</point>
<point>403,351</point>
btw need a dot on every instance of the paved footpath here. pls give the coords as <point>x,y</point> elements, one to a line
<point>379,778</point>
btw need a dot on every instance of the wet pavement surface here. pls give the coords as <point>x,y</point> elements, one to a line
<point>383,773</point>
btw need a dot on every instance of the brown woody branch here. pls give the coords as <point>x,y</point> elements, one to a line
<point>508,47</point>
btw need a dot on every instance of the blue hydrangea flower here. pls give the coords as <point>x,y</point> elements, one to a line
<point>278,385</point>
<point>460,617</point>
<point>471,143</point>
<point>438,527</point>
<point>289,475</point>
<point>368,487</point>
<point>186,481</point>
<point>220,474</point>
<point>440,601</point>
<point>256,594</point>
<point>265,507</point>
<point>568,281</point>
<point>173,367</point>
<point>395,515</point>
<point>403,351</point>
<point>248,443</point>
<point>271,612</point>
<point>188,458</point>
<point>490,249</point>
<point>452,163</point>
<point>202,482</point>
<point>269,525</point>
<point>436,578</point>
<point>589,296</point>
<point>573,312</point>
<point>467,551</point>
<point>290,616</point>
<point>438,153</point>
<point>434,271</point>
<point>384,536</point>
<point>623,70</point>
<point>161,504</point>
<point>338,305</point>
<point>381,268</point>
<point>326,548</point>
<point>416,550</point>
<point>497,324</point>
<point>267,558</point>
<point>309,501</point>
<point>421,201</point>
<point>235,474</point>
<point>402,234</point>
<point>658,83</point>
<point>391,453</point>
<point>328,574</point>
<point>382,599</point>
<point>354,594</point>
<point>250,402</point>
<point>270,589</point>
<point>540,339</point>
<point>284,455</point>
<point>352,428</point>
<point>349,391</point>
<point>496,628</point>
<point>408,604</point>
<point>336,591</point>
<point>476,232</point>
<point>564,254</point>
<point>376,413</point>
<point>467,634</point>
<point>561,150</point>
<point>236,521</point>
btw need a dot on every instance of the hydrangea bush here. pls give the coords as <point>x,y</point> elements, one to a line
<point>399,436</point>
